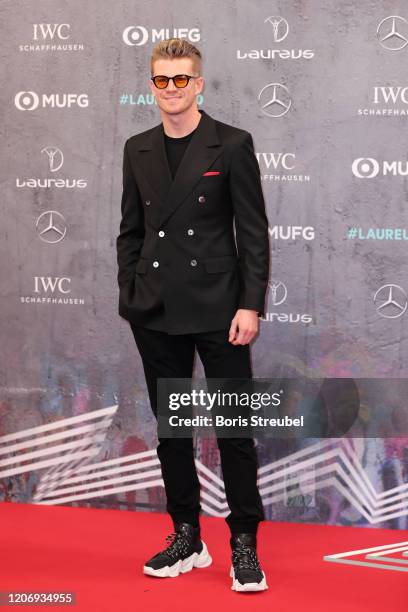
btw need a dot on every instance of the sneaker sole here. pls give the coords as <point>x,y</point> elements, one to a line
<point>199,560</point>
<point>249,586</point>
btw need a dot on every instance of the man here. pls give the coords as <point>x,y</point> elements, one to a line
<point>186,283</point>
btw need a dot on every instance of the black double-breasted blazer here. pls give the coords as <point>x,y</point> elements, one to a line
<point>196,247</point>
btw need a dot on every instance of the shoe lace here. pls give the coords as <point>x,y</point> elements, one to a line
<point>177,546</point>
<point>245,557</point>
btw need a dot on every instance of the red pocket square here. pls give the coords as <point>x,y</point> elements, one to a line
<point>215,173</point>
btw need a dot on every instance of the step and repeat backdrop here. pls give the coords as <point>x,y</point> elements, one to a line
<point>322,87</point>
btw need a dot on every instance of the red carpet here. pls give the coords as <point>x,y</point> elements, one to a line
<point>98,554</point>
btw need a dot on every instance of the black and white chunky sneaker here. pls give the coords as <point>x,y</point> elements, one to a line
<point>184,551</point>
<point>246,572</point>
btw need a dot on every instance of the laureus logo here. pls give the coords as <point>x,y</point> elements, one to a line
<point>278,292</point>
<point>277,31</point>
<point>280,28</point>
<point>54,159</point>
<point>277,295</point>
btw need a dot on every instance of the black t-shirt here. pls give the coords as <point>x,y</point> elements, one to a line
<point>175,149</point>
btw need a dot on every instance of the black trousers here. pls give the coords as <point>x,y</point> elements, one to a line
<point>172,356</point>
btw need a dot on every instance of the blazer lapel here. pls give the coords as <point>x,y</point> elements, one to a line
<point>153,164</point>
<point>202,150</point>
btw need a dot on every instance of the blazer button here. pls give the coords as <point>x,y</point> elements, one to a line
<point>147,202</point>
<point>155,264</point>
<point>190,232</point>
<point>161,233</point>
<point>193,262</point>
<point>201,199</point>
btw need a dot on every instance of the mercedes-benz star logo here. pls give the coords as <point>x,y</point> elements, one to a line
<point>390,301</point>
<point>390,36</point>
<point>49,229</point>
<point>277,105</point>
<point>280,28</point>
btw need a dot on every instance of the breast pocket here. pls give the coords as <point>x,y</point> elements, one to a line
<point>211,180</point>
<point>211,188</point>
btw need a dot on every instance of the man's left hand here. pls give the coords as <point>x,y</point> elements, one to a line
<point>244,326</point>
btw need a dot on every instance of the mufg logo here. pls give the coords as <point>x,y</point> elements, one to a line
<point>30,100</point>
<point>369,167</point>
<point>139,35</point>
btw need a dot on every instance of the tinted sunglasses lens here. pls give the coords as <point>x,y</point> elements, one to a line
<point>180,80</point>
<point>161,82</point>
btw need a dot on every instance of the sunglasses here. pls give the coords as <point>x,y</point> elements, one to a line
<point>179,80</point>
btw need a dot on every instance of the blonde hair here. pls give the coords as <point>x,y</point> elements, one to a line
<point>174,48</point>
